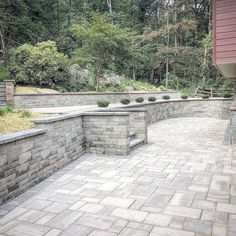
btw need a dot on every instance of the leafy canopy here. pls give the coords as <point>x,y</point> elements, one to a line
<point>37,65</point>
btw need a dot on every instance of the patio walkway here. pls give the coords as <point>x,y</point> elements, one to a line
<point>183,183</point>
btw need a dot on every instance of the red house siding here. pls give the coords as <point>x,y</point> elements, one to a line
<point>224,35</point>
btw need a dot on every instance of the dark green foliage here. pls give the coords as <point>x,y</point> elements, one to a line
<point>39,65</point>
<point>103,103</point>
<point>205,97</point>
<point>184,96</point>
<point>166,97</point>
<point>152,99</point>
<point>4,74</point>
<point>129,38</point>
<point>139,99</point>
<point>226,95</point>
<point>125,101</point>
<point>5,110</point>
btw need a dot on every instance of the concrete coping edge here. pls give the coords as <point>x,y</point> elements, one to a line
<point>105,113</point>
<point>8,138</point>
<point>94,93</point>
<point>124,109</point>
<point>177,100</point>
<point>52,119</point>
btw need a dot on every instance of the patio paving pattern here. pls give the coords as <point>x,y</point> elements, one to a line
<point>182,183</point>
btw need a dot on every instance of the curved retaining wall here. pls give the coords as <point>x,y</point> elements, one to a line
<point>160,110</point>
<point>78,99</point>
<point>28,157</point>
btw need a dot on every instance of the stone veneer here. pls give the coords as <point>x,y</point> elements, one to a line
<point>78,99</point>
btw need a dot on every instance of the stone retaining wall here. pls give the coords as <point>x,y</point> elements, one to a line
<point>78,99</point>
<point>160,110</point>
<point>28,157</point>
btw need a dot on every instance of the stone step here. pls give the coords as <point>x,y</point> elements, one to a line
<point>135,143</point>
<point>132,135</point>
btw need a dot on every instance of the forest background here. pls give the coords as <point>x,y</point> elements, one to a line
<point>109,45</point>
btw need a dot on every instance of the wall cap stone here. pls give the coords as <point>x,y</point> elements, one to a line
<point>90,93</point>
<point>123,109</point>
<point>53,119</point>
<point>177,100</point>
<point>105,113</point>
<point>8,138</point>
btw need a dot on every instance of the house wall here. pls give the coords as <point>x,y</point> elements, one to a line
<point>224,31</point>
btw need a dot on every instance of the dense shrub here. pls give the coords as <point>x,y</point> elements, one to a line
<point>39,65</point>
<point>111,79</point>
<point>125,101</point>
<point>152,99</point>
<point>184,96</point>
<point>226,95</point>
<point>166,97</point>
<point>78,79</point>
<point>139,99</point>
<point>205,97</point>
<point>4,74</point>
<point>103,103</point>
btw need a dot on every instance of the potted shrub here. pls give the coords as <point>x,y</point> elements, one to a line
<point>205,97</point>
<point>139,99</point>
<point>184,96</point>
<point>166,97</point>
<point>125,101</point>
<point>103,103</point>
<point>152,99</point>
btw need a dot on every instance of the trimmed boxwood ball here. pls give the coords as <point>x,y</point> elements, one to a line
<point>139,99</point>
<point>125,101</point>
<point>166,97</point>
<point>152,99</point>
<point>184,96</point>
<point>103,103</point>
<point>205,97</point>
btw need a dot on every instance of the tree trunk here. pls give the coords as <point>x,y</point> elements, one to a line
<point>109,3</point>
<point>98,75</point>
<point>167,58</point>
<point>2,44</point>
<point>133,74</point>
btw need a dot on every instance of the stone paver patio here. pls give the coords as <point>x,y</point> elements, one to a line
<point>183,183</point>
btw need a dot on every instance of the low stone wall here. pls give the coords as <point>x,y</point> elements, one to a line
<point>78,99</point>
<point>160,110</point>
